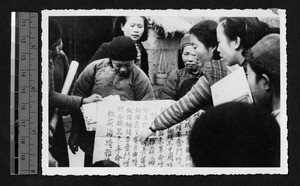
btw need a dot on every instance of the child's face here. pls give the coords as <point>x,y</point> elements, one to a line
<point>133,28</point>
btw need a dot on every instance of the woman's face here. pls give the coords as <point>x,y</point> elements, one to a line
<point>189,58</point>
<point>133,28</point>
<point>226,47</point>
<point>202,53</point>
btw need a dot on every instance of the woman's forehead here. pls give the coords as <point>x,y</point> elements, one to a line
<point>134,19</point>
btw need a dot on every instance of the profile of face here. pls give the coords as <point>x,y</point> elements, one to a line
<point>258,87</point>
<point>123,68</point>
<point>133,28</point>
<point>203,54</point>
<point>227,48</point>
<point>55,48</point>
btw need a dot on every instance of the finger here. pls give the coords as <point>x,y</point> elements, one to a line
<point>73,150</point>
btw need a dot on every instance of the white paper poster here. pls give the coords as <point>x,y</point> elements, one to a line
<point>118,123</point>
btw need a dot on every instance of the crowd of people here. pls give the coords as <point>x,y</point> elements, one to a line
<point>229,135</point>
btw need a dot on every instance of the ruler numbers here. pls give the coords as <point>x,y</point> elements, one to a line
<point>28,93</point>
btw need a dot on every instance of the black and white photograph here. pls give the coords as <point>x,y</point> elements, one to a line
<point>164,92</point>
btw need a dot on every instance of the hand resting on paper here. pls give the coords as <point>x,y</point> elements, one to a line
<point>92,98</point>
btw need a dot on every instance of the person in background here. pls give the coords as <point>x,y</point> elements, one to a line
<point>135,27</point>
<point>58,69</point>
<point>204,41</point>
<point>235,134</point>
<point>179,82</point>
<point>116,75</point>
<point>263,73</point>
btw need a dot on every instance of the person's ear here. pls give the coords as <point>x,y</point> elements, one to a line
<point>265,82</point>
<point>237,43</point>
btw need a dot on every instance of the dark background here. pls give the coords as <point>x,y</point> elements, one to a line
<point>293,102</point>
<point>83,35</point>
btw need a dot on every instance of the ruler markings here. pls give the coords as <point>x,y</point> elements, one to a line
<point>24,80</point>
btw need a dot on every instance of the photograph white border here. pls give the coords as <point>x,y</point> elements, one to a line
<point>283,169</point>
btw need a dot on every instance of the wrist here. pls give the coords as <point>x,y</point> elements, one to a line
<point>153,129</point>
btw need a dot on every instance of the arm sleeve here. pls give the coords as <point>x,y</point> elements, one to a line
<point>170,88</point>
<point>197,98</point>
<point>85,82</point>
<point>215,70</point>
<point>82,87</point>
<point>142,87</point>
<point>59,100</point>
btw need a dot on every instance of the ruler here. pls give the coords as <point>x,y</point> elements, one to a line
<point>24,93</point>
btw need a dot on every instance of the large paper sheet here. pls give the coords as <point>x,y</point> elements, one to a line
<point>118,123</point>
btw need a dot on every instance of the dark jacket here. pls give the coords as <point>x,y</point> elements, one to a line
<point>102,53</point>
<point>58,69</point>
<point>176,83</point>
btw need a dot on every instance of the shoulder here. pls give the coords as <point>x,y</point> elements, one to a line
<point>100,63</point>
<point>96,65</point>
<point>214,70</point>
<point>214,64</point>
<point>139,74</point>
<point>104,45</point>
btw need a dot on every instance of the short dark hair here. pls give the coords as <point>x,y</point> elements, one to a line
<point>261,68</point>
<point>205,31</point>
<point>248,29</point>
<point>235,134</point>
<point>267,61</point>
<point>55,32</point>
<point>117,31</point>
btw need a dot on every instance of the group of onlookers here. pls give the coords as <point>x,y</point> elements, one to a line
<point>232,134</point>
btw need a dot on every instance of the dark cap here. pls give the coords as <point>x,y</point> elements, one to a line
<point>267,51</point>
<point>122,48</point>
<point>185,41</point>
<point>55,32</point>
